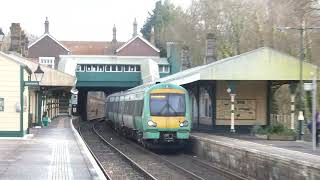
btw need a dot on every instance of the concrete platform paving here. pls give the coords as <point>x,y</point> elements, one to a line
<point>52,153</point>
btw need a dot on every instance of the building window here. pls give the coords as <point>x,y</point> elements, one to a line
<point>100,68</point>
<point>80,68</point>
<point>132,68</point>
<point>108,68</point>
<point>48,61</point>
<point>164,69</point>
<point>88,68</point>
<point>137,68</point>
<point>119,68</point>
<point>113,68</point>
<point>126,68</point>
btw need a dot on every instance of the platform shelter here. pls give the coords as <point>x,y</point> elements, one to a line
<point>237,90</point>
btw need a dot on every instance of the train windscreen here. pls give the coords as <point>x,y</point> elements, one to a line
<point>167,105</point>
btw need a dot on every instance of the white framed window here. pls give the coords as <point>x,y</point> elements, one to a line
<point>108,68</point>
<point>164,69</point>
<point>88,68</point>
<point>126,68</point>
<point>138,68</point>
<point>100,68</point>
<point>48,61</point>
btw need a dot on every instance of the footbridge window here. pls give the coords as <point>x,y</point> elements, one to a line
<point>107,68</point>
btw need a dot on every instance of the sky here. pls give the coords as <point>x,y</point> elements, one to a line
<point>86,20</point>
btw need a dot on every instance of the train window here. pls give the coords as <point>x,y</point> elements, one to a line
<point>100,68</point>
<point>138,68</point>
<point>126,68</point>
<point>108,68</point>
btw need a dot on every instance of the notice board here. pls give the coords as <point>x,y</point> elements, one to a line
<point>244,109</point>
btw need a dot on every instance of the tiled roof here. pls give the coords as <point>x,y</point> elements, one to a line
<point>90,47</point>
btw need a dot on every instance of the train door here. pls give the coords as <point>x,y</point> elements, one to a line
<point>121,110</point>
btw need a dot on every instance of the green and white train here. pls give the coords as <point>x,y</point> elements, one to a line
<point>157,114</point>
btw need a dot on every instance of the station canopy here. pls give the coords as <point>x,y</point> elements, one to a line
<point>260,64</point>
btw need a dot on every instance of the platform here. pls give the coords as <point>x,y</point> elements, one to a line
<point>52,153</point>
<point>259,159</point>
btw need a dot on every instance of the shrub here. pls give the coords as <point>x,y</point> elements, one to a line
<point>276,128</point>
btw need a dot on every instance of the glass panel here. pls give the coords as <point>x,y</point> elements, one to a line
<point>108,68</point>
<point>137,68</point>
<point>166,68</point>
<point>132,68</point>
<point>119,68</point>
<point>114,67</point>
<point>100,68</point>
<point>126,68</point>
<point>88,68</point>
<point>167,104</point>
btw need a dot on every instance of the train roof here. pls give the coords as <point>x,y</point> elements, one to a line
<point>146,88</point>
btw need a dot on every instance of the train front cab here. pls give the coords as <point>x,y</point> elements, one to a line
<point>168,117</point>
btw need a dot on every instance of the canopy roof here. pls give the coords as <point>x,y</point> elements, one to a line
<point>51,77</point>
<point>260,64</point>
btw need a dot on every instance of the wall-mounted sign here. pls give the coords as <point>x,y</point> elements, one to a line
<point>1,104</point>
<point>244,109</point>
<point>74,99</point>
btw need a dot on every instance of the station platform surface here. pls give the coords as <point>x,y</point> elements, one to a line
<point>52,153</point>
<point>299,150</point>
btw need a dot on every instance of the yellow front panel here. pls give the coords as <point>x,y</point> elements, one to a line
<point>163,91</point>
<point>168,122</point>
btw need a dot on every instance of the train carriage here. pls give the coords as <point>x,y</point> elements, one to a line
<point>154,115</point>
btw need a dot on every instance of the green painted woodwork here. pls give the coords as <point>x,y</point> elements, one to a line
<point>39,103</point>
<point>108,79</point>
<point>12,133</point>
<point>21,97</point>
<point>164,74</point>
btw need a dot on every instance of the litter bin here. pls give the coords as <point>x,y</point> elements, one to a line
<point>45,121</point>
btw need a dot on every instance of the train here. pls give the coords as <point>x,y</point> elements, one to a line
<point>96,101</point>
<point>156,115</point>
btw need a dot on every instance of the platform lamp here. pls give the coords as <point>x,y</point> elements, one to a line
<point>38,74</point>
<point>1,37</point>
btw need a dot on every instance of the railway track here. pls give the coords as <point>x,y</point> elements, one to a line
<point>113,163</point>
<point>172,166</point>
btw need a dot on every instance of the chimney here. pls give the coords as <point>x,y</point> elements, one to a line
<point>15,31</point>
<point>211,49</point>
<point>185,58</point>
<point>114,33</point>
<point>46,26</point>
<point>135,28</point>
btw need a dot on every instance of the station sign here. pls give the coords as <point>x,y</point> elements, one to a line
<point>74,99</point>
<point>307,86</point>
<point>31,83</point>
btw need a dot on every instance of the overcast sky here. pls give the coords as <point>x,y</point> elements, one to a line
<point>79,19</point>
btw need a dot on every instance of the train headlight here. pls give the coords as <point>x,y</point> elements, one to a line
<point>152,124</point>
<point>184,124</point>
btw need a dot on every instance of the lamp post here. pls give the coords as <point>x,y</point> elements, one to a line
<point>1,37</point>
<point>301,30</point>
<point>230,91</point>
<point>38,77</point>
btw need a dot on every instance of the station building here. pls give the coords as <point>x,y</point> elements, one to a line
<point>23,101</point>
